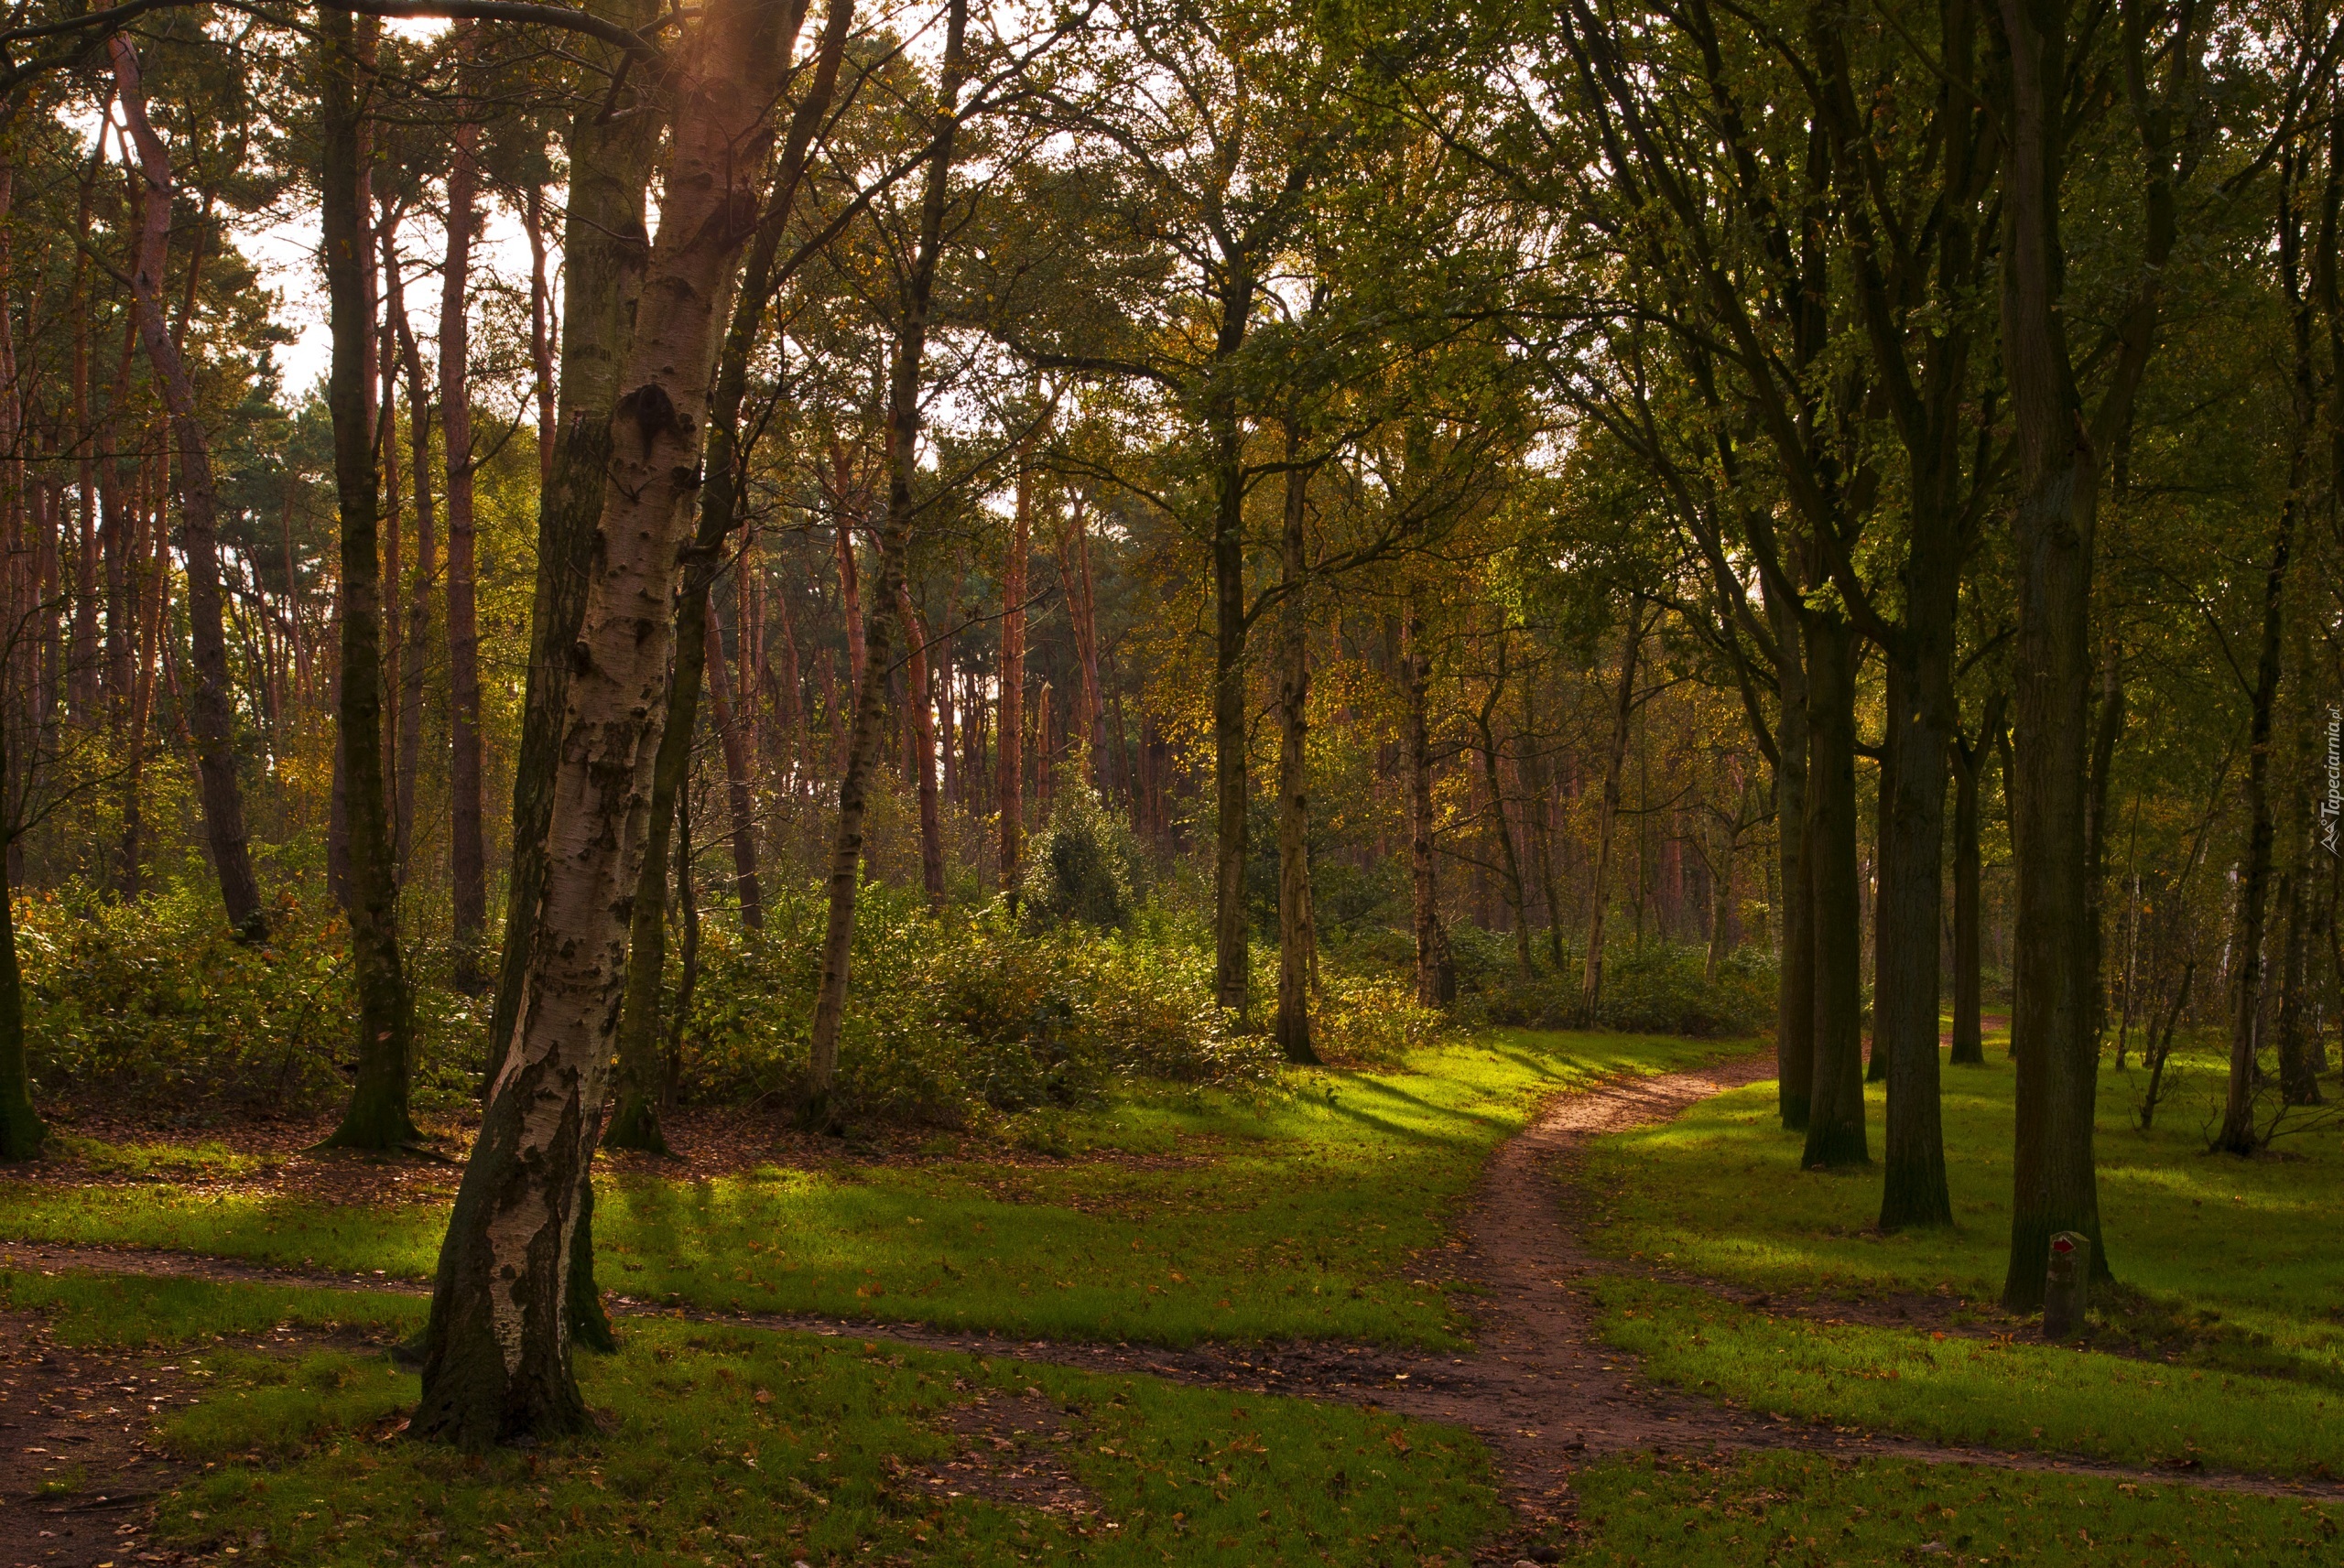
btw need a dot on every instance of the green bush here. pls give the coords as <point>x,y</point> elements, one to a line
<point>1665,990</point>
<point>1374,1020</point>
<point>1085,867</point>
<point>151,1000</point>
<point>955,1016</point>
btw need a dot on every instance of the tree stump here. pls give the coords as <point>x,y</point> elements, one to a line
<point>2066,1286</point>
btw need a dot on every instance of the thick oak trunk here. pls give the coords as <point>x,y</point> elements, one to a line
<point>1835,1126</point>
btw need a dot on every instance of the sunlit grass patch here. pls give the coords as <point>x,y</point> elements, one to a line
<point>729,1442</point>
<point>1996,1392</point>
<point>2228,1280</point>
<point>1267,1216</point>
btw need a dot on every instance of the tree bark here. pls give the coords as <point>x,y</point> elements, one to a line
<point>1835,1126</point>
<point>467,850</point>
<point>1436,972</point>
<point>209,718</point>
<point>1232,946</point>
<point>497,1362</point>
<point>1968,766</point>
<point>923,736</point>
<point>1794,925</point>
<point>416,652</point>
<point>870,695</point>
<point>1010,789</point>
<point>1623,706</point>
<point>604,251</point>
<point>1294,933</point>
<point>377,1117</point>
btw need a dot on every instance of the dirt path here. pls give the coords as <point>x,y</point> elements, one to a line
<point>1539,1386</point>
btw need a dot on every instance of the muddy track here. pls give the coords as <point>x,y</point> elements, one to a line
<point>1538,1384</point>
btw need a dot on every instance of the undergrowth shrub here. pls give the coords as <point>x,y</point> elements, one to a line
<point>1084,867</point>
<point>953,1017</point>
<point>1374,1020</point>
<point>151,1001</point>
<point>1660,989</point>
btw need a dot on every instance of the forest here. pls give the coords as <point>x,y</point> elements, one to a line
<point>774,777</point>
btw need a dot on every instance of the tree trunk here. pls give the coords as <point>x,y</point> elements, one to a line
<point>1295,935</point>
<point>740,795</point>
<point>1009,789</point>
<point>1615,756</point>
<point>1436,972</point>
<point>604,250</point>
<point>1794,925</point>
<point>1912,894</point>
<point>209,714</point>
<point>467,851</point>
<point>923,738</point>
<point>416,652</point>
<point>497,1359</point>
<point>1518,898</point>
<point>1232,948</point>
<point>870,695</point>
<point>533,224</point>
<point>377,1117</point>
<point>1969,764</point>
<point>1835,1126</point>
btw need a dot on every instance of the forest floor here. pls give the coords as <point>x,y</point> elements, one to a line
<point>1510,1399</point>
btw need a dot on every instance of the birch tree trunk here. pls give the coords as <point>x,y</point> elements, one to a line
<point>497,1351</point>
<point>604,254</point>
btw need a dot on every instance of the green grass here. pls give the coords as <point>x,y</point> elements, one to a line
<point>721,1443</point>
<point>127,1310</point>
<point>2228,1273</point>
<point>1999,1391</point>
<point>210,1157</point>
<point>1804,1508</point>
<point>1290,1215</point>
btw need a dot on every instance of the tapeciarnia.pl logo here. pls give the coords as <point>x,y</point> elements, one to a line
<point>2333,806</point>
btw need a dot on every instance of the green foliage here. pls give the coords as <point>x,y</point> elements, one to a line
<point>956,1016</point>
<point>1659,989</point>
<point>1085,868</point>
<point>153,1000</point>
<point>1374,1020</point>
<point>780,1448</point>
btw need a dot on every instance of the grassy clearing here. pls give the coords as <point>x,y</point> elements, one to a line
<point>1175,1217</point>
<point>129,1311</point>
<point>1803,1508</point>
<point>1997,1391</point>
<point>723,1443</point>
<point>2228,1271</point>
